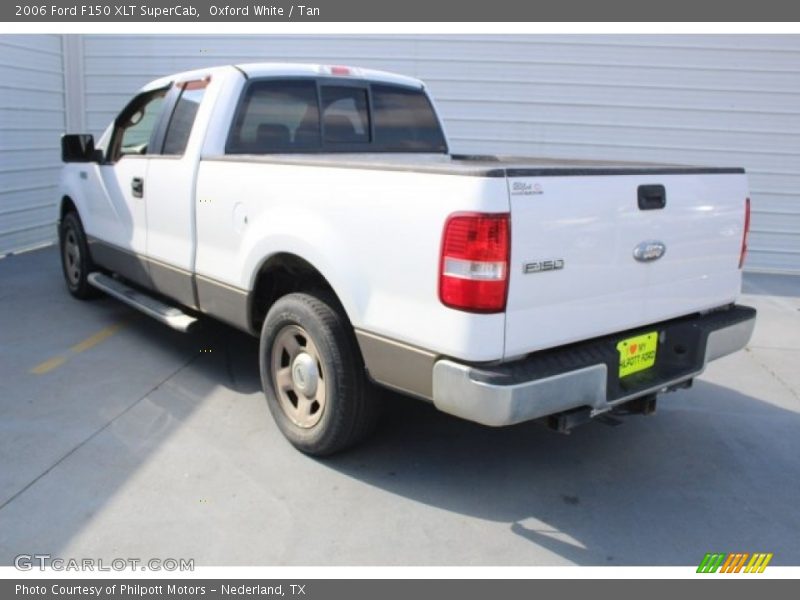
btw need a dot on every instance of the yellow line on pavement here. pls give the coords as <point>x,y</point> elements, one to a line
<point>90,342</point>
<point>48,365</point>
<point>98,337</point>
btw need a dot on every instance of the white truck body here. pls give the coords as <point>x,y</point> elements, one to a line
<point>207,222</point>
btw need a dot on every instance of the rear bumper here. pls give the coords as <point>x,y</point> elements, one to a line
<point>586,374</point>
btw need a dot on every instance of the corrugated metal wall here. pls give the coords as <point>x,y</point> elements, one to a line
<point>718,100</point>
<point>31,121</point>
<point>715,100</point>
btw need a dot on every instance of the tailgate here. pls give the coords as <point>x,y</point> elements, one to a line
<point>574,274</point>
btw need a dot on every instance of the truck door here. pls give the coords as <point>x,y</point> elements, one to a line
<point>118,237</point>
<point>170,202</point>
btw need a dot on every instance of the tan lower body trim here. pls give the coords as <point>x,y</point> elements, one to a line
<point>214,298</point>
<point>397,365</point>
<point>224,302</point>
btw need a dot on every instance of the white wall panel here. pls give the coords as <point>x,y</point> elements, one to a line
<point>707,100</point>
<point>31,122</point>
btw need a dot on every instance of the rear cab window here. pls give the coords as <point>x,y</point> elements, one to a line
<point>404,119</point>
<point>345,116</point>
<point>306,115</point>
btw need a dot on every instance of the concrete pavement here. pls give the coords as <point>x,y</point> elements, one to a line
<point>122,438</point>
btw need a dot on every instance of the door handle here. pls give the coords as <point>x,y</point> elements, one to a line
<point>137,187</point>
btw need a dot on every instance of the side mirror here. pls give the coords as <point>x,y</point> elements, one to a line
<point>79,147</point>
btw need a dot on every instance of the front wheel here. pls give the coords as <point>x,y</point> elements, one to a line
<point>75,260</point>
<point>313,375</point>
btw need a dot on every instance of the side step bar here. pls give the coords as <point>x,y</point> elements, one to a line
<point>169,315</point>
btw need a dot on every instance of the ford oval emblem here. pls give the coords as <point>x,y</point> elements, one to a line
<point>649,251</point>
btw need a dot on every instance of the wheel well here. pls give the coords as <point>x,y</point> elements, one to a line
<point>67,206</point>
<point>284,274</point>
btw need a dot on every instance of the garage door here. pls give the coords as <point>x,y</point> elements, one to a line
<point>704,100</point>
<point>31,122</point>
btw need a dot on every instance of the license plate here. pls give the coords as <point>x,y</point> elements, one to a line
<point>637,353</point>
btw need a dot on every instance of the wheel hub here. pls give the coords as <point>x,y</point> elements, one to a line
<point>305,375</point>
<point>298,376</point>
<point>72,257</point>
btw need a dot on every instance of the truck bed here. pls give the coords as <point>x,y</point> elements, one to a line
<point>572,270</point>
<point>478,165</point>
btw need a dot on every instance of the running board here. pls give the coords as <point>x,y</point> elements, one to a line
<point>169,315</point>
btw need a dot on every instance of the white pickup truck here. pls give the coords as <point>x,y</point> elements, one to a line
<point>320,208</point>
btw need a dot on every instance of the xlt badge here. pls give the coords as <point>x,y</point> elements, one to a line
<point>521,188</point>
<point>540,266</point>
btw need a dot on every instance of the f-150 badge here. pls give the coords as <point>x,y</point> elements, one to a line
<point>539,266</point>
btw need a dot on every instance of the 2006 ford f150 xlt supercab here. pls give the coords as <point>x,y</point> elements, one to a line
<point>320,208</point>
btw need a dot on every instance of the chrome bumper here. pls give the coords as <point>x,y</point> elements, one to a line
<point>457,391</point>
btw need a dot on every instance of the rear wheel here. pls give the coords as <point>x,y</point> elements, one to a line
<point>313,375</point>
<point>75,260</point>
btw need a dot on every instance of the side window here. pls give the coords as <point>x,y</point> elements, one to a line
<point>182,120</point>
<point>344,114</point>
<point>135,125</point>
<point>276,116</point>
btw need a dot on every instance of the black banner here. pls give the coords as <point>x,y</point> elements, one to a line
<point>408,11</point>
<point>342,589</point>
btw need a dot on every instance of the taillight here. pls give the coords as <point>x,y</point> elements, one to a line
<point>473,271</point>
<point>745,235</point>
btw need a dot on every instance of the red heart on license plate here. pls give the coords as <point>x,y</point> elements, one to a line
<point>632,348</point>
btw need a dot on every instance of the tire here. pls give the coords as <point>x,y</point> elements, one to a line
<point>76,263</point>
<point>313,375</point>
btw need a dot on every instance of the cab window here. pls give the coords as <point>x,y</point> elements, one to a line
<point>134,126</point>
<point>310,116</point>
<point>277,116</point>
<point>344,114</point>
<point>182,120</point>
